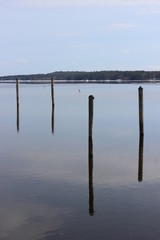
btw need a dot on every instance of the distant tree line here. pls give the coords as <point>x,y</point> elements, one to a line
<point>97,75</point>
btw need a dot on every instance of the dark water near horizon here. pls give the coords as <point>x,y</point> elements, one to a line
<point>47,189</point>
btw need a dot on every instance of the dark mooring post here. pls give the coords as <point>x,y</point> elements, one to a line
<point>141,135</point>
<point>90,157</point>
<point>141,126</point>
<point>17,93</point>
<point>52,96</point>
<point>52,90</point>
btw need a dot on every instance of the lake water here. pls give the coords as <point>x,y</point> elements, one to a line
<point>50,189</point>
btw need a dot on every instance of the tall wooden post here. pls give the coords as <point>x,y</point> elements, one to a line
<point>17,93</point>
<point>141,126</point>
<point>141,135</point>
<point>52,90</point>
<point>52,96</point>
<point>90,157</point>
<point>91,98</point>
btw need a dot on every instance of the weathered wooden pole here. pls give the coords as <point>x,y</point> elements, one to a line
<point>90,157</point>
<point>141,135</point>
<point>52,90</point>
<point>17,93</point>
<point>141,126</point>
<point>91,98</point>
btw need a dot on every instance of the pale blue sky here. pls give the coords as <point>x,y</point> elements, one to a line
<point>41,36</point>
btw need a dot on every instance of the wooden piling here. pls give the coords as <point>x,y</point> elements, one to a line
<point>52,90</point>
<point>141,135</point>
<point>91,98</point>
<point>17,94</point>
<point>17,90</point>
<point>90,157</point>
<point>52,96</point>
<point>141,125</point>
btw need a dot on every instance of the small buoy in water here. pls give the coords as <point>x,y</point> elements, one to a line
<point>79,90</point>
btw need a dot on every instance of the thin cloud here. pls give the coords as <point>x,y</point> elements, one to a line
<point>126,51</point>
<point>22,61</point>
<point>149,11</point>
<point>59,3</point>
<point>65,35</point>
<point>152,67</point>
<point>84,45</point>
<point>119,26</point>
<point>4,63</point>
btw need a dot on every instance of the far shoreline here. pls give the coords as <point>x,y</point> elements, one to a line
<point>118,81</point>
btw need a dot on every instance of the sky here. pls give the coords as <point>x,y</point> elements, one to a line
<point>42,36</point>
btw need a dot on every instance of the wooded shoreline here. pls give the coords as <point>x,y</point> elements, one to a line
<point>88,77</point>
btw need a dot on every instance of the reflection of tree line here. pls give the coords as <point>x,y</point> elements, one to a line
<point>90,138</point>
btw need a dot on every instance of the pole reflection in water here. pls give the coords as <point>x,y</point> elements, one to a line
<point>90,157</point>
<point>52,95</point>
<point>141,135</point>
<point>52,119</point>
<point>140,166</point>
<point>17,93</point>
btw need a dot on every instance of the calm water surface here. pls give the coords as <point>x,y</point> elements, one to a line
<point>49,190</point>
